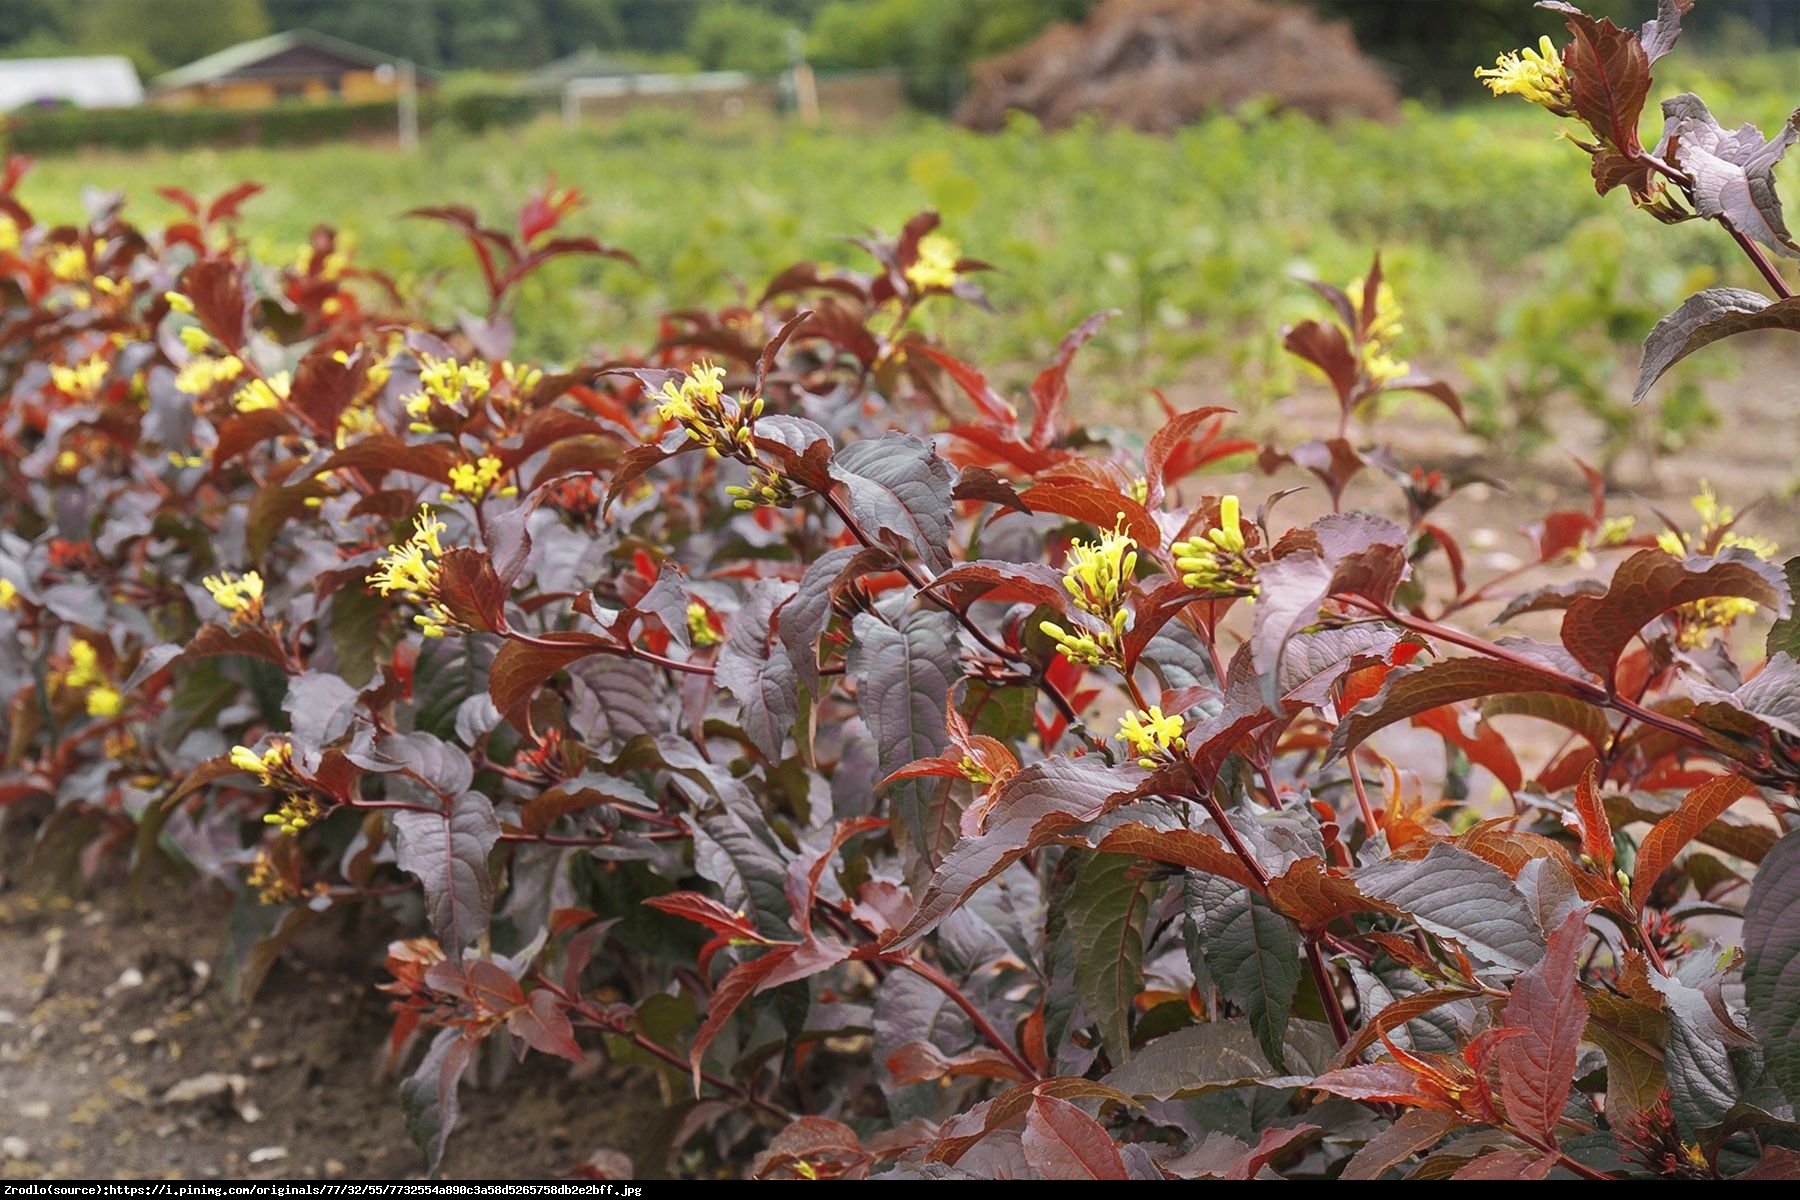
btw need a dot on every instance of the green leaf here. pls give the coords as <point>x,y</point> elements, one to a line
<point>1253,954</point>
<point>1106,911</point>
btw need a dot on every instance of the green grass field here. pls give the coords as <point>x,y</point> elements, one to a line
<point>1486,221</point>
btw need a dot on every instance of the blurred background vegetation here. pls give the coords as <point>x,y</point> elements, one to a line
<point>1425,42</point>
<point>1520,283</point>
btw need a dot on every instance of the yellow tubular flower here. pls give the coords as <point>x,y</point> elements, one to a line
<point>84,665</point>
<point>9,594</point>
<point>475,480</point>
<point>410,568</point>
<point>81,382</point>
<point>935,266</point>
<point>242,598</point>
<point>1095,575</point>
<point>974,772</point>
<point>700,626</point>
<point>103,701</point>
<point>70,263</point>
<point>179,303</point>
<point>1378,339</point>
<point>1535,75</point>
<point>1151,735</point>
<point>9,235</point>
<point>295,814</point>
<point>260,394</point>
<point>267,881</point>
<point>1216,562</point>
<point>203,373</point>
<point>272,763</point>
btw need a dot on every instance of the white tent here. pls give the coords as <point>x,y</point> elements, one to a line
<point>108,82</point>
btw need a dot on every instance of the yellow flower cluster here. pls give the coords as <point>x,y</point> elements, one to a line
<point>296,813</point>
<point>974,772</point>
<point>1095,575</point>
<point>203,372</point>
<point>766,488</point>
<point>1378,339</point>
<point>259,394</point>
<point>9,235</point>
<point>699,405</point>
<point>267,880</point>
<point>241,597</point>
<point>935,266</point>
<point>411,568</point>
<point>272,764</point>
<point>9,594</point>
<point>84,673</point>
<point>475,480</point>
<point>70,263</point>
<point>1713,612</point>
<point>446,382</point>
<point>700,626</point>
<point>1216,562</point>
<point>82,381</point>
<point>1535,75</point>
<point>1151,735</point>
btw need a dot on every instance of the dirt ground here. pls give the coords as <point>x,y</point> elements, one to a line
<point>109,1017</point>
<point>103,1009</point>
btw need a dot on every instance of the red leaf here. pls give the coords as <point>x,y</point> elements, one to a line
<point>1173,438</point>
<point>922,1062</point>
<point>733,990</point>
<point>1180,847</point>
<point>544,1026</point>
<point>1591,822</point>
<point>520,668</point>
<point>1050,390</point>
<point>1596,629</point>
<point>1062,1142</point>
<point>1609,78</point>
<point>1508,1164</point>
<point>1669,836</point>
<point>217,289</point>
<point>1325,347</point>
<point>704,910</point>
<point>992,404</point>
<point>1310,894</point>
<point>1098,506</point>
<point>468,587</point>
<point>1537,1068</point>
<point>1484,747</point>
<point>1384,1081</point>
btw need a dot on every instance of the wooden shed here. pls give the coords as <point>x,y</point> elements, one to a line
<point>297,65</point>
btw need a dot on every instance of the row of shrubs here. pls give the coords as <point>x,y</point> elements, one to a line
<point>66,130</point>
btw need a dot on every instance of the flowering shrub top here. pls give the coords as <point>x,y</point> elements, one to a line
<point>929,785</point>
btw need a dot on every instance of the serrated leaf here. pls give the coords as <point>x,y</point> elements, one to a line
<point>1732,172</point>
<point>1772,961</point>
<point>1216,1056</point>
<point>1105,919</point>
<point>448,854</point>
<point>428,1096</point>
<point>1408,691</point>
<point>900,492</point>
<point>1669,836</point>
<point>1253,955</point>
<point>1537,1067</point>
<point>1062,1142</point>
<point>519,669</point>
<point>1577,716</point>
<point>904,677</point>
<point>1632,1035</point>
<point>1454,894</point>
<point>1596,629</point>
<point>755,668</point>
<point>1707,317</point>
<point>1040,801</point>
<point>1784,634</point>
<point>802,620</point>
<point>1416,1130</point>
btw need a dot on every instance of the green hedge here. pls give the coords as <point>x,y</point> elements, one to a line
<point>64,130</point>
